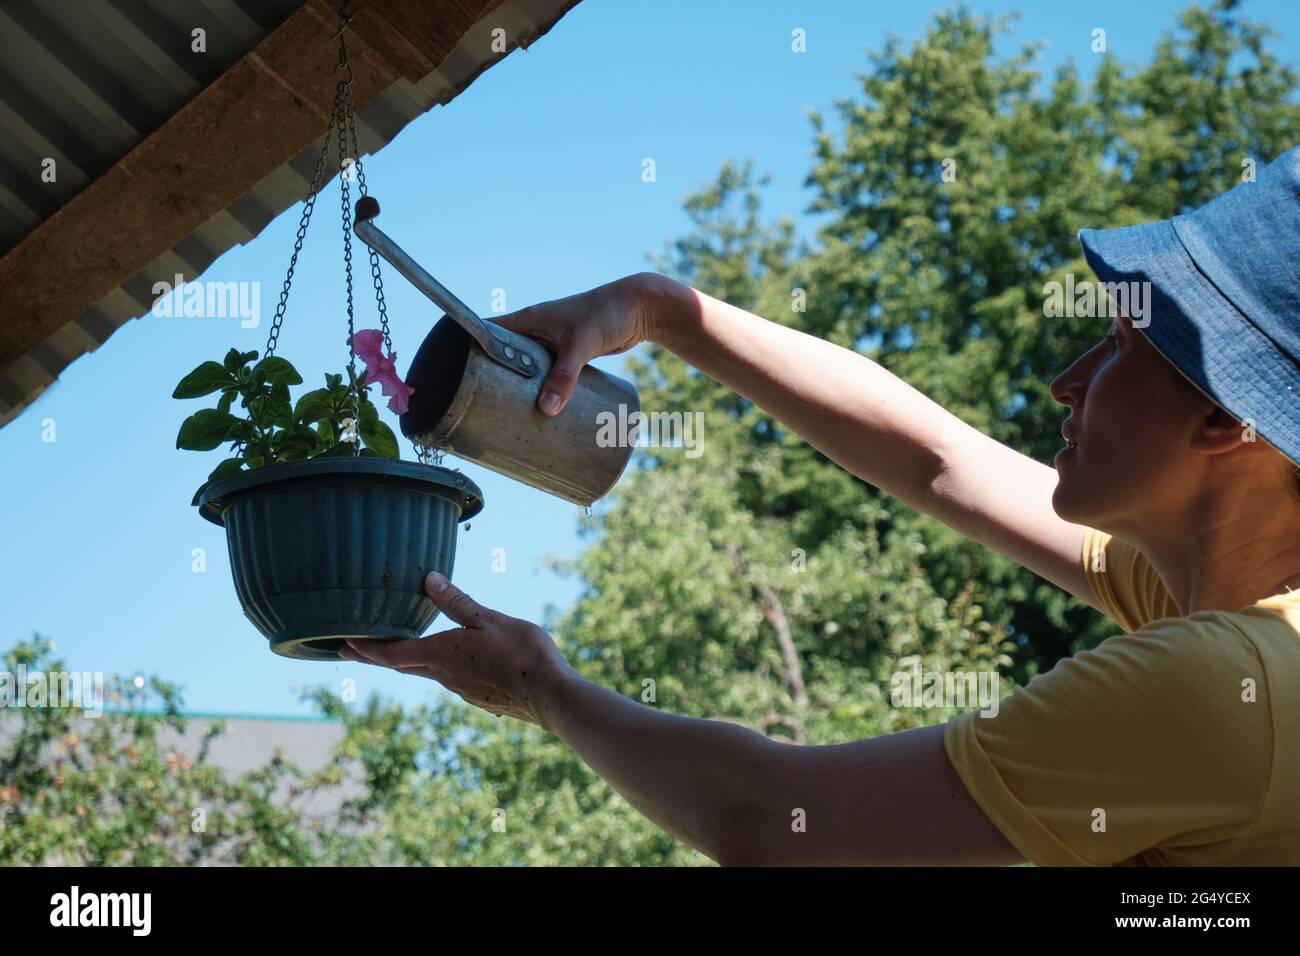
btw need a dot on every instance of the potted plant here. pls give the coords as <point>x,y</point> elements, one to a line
<point>330,535</point>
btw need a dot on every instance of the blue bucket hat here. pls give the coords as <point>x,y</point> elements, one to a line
<point>1225,295</point>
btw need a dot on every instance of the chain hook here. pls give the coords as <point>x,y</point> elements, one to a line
<point>345,17</point>
<point>343,69</point>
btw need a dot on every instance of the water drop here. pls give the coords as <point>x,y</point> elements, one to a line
<point>466,525</point>
<point>586,512</point>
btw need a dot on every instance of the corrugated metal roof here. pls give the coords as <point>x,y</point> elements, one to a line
<point>84,81</point>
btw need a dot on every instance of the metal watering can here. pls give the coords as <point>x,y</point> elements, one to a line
<point>476,389</point>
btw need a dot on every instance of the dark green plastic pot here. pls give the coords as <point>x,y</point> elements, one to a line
<point>336,548</point>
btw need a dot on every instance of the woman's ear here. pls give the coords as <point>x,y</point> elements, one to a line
<point>1220,432</point>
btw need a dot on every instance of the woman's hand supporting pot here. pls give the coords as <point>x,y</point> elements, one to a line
<point>493,661</point>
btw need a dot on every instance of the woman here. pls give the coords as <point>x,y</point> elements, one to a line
<point>1174,508</point>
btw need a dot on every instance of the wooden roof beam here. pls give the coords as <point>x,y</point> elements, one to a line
<point>258,115</point>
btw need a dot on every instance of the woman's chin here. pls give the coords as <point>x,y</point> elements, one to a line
<point>1065,508</point>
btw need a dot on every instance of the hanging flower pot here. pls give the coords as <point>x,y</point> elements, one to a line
<point>330,536</point>
<point>339,547</point>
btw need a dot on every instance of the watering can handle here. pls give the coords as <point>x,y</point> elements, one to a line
<point>514,359</point>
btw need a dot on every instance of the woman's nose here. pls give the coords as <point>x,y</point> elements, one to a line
<point>1068,387</point>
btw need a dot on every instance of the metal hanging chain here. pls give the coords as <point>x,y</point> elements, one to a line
<point>316,179</point>
<point>428,456</point>
<point>375,276</point>
<point>343,126</point>
<point>354,386</point>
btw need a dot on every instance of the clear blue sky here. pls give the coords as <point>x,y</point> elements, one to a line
<point>529,181</point>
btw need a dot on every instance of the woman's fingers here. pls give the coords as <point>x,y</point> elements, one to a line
<point>443,657</point>
<point>487,662</point>
<point>573,349</point>
<point>455,603</point>
<point>562,380</point>
<point>415,652</point>
<point>605,320</point>
<point>530,322</point>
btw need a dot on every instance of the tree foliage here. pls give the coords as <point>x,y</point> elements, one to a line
<point>759,582</point>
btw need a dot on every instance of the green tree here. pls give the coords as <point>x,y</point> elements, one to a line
<point>440,784</point>
<point>759,582</point>
<point>103,791</point>
<point>690,579</point>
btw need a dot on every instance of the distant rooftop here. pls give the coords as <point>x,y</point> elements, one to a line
<point>249,743</point>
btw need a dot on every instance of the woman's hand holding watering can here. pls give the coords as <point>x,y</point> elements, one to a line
<point>607,320</point>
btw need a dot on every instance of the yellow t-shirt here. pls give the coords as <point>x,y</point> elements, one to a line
<point>1176,744</point>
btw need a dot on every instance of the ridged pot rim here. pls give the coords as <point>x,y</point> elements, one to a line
<point>223,492</point>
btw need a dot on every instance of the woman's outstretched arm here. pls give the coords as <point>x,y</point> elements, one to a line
<point>725,790</point>
<point>850,408</point>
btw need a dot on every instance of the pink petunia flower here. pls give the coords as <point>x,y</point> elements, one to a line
<point>381,368</point>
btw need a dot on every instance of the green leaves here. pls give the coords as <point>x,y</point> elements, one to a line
<point>940,281</point>
<point>204,380</point>
<point>295,443</point>
<point>273,367</point>
<point>235,359</point>
<point>276,428</point>
<point>379,438</point>
<point>312,407</point>
<point>662,599</point>
<point>205,430</point>
<point>375,435</point>
<point>119,791</point>
<point>227,467</point>
<point>327,408</point>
